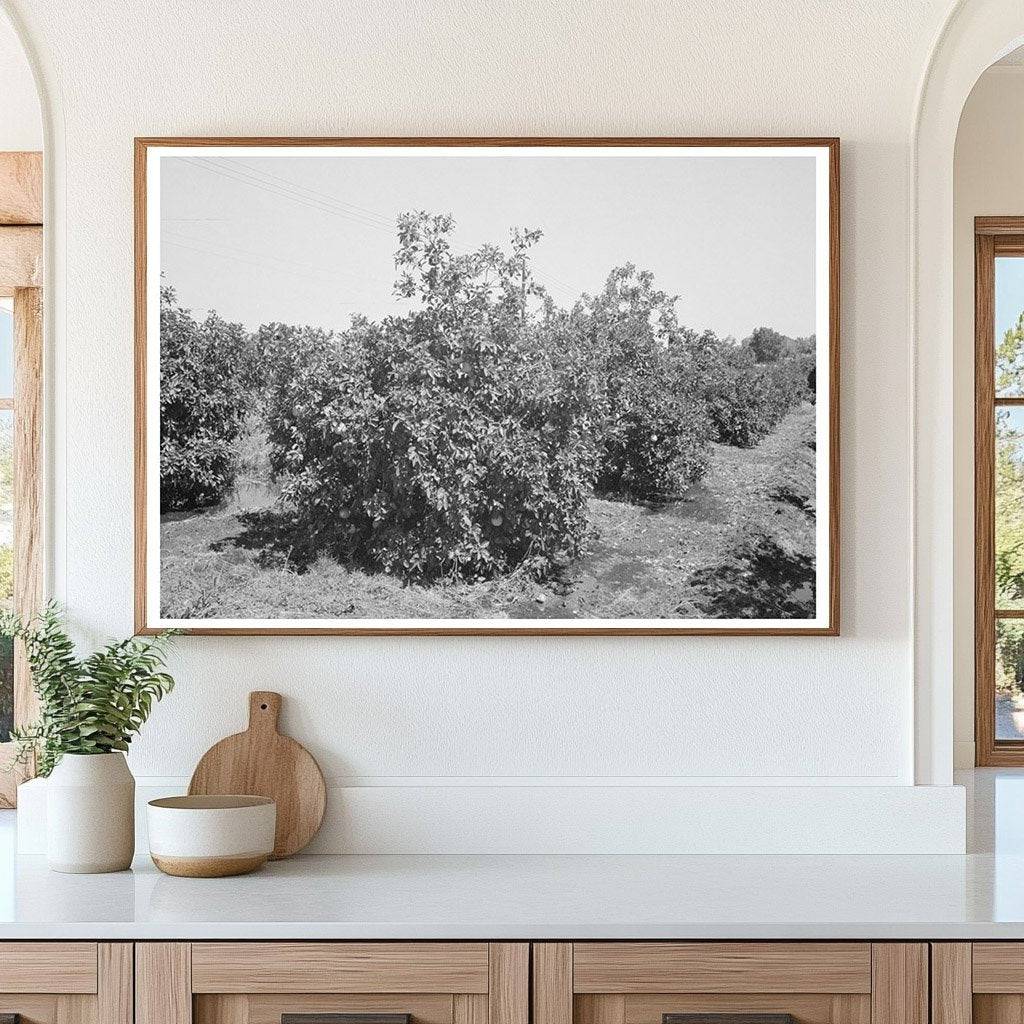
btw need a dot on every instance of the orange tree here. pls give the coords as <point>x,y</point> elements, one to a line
<point>455,441</point>
<point>654,418</point>
<point>203,398</point>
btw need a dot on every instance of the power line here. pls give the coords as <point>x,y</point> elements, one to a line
<point>321,201</point>
<point>251,262</point>
<point>313,193</point>
<point>359,211</point>
<point>316,268</point>
<point>324,205</point>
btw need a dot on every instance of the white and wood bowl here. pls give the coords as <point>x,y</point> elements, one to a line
<point>211,836</point>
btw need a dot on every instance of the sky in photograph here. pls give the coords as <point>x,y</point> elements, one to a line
<point>311,239</point>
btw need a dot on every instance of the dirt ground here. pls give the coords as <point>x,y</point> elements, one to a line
<point>638,563</point>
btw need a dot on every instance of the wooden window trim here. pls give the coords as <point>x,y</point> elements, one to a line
<point>993,236</point>
<point>28,563</point>
<point>21,262</point>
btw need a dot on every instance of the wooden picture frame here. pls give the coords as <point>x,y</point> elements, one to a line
<point>827,255</point>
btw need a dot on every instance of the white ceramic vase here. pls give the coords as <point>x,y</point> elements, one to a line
<point>90,814</point>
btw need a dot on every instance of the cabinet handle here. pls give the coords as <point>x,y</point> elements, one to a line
<point>728,1018</point>
<point>337,1018</point>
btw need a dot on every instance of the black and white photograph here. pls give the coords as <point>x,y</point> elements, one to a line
<point>478,386</point>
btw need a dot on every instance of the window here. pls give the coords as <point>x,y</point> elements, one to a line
<point>999,490</point>
<point>6,510</point>
<point>21,351</point>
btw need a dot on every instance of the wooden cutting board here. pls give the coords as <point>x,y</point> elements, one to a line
<point>262,762</point>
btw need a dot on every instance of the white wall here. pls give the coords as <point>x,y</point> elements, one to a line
<point>21,126</point>
<point>988,180</point>
<point>443,713</point>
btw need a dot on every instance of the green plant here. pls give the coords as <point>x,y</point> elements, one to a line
<point>1009,512</point>
<point>1009,657</point>
<point>6,572</point>
<point>90,705</point>
<point>6,688</point>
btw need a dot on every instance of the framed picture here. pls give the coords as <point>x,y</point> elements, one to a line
<point>487,386</point>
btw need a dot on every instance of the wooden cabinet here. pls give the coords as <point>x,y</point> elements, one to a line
<point>261,982</point>
<point>66,982</point>
<point>648,982</point>
<point>493,983</point>
<point>979,982</point>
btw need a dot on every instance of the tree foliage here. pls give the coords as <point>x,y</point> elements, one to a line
<point>1009,656</point>
<point>203,397</point>
<point>464,439</point>
<point>1010,360</point>
<point>457,440</point>
<point>1009,508</point>
<point>6,688</point>
<point>767,345</point>
<point>750,399</point>
<point>1009,511</point>
<point>653,416</point>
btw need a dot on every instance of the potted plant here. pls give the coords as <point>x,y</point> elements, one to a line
<point>89,710</point>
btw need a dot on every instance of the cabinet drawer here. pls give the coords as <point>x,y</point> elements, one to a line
<point>629,967</point>
<point>998,967</point>
<point>736,982</point>
<point>340,967</point>
<point>270,1009</point>
<point>980,982</point>
<point>262,982</point>
<point>48,967</point>
<point>66,982</point>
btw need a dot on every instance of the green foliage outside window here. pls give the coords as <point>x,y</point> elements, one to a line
<point>6,688</point>
<point>1009,509</point>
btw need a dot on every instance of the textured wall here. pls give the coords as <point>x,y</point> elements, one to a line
<point>20,122</point>
<point>735,711</point>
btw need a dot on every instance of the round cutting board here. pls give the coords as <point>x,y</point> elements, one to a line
<point>262,762</point>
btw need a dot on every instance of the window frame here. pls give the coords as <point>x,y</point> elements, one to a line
<point>993,237</point>
<point>21,263</point>
<point>27,406</point>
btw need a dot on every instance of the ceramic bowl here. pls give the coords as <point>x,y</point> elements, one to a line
<point>211,836</point>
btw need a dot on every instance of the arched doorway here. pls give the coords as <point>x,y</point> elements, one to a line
<point>976,33</point>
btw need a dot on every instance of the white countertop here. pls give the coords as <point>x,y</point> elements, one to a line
<point>532,897</point>
<point>978,896</point>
